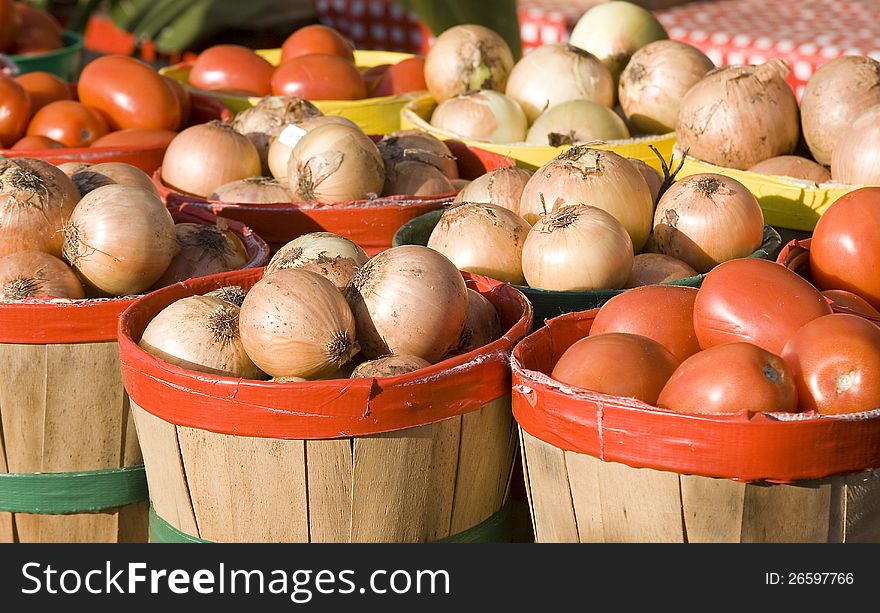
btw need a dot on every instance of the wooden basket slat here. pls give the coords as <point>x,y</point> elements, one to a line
<point>131,449</point>
<point>443,471</point>
<point>861,507</point>
<point>208,482</point>
<point>134,523</point>
<point>7,529</point>
<point>23,405</point>
<point>712,509</point>
<point>583,479</point>
<point>786,513</point>
<point>526,483</point>
<point>329,464</point>
<point>552,507</point>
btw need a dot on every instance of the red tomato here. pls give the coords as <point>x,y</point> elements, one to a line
<point>36,143</point>
<point>843,298</point>
<point>71,123</point>
<point>835,361</point>
<point>136,138</point>
<point>313,39</point>
<point>15,110</point>
<point>403,77</point>
<point>846,245</point>
<point>183,98</point>
<point>129,93</point>
<point>38,31</point>
<point>43,88</point>
<point>729,378</point>
<point>232,69</point>
<point>618,364</point>
<point>754,301</point>
<point>636,312</point>
<point>373,76</point>
<point>9,25</point>
<point>319,77</point>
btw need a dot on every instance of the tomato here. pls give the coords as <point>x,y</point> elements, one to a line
<point>854,302</point>
<point>636,312</point>
<point>729,378</point>
<point>618,364</point>
<point>754,301</point>
<point>846,245</point>
<point>36,143</point>
<point>835,362</point>
<point>232,69</point>
<point>403,77</point>
<point>15,110</point>
<point>9,25</point>
<point>38,31</point>
<point>71,123</point>
<point>43,88</point>
<point>129,93</point>
<point>136,138</point>
<point>313,39</point>
<point>183,99</point>
<point>373,76</point>
<point>319,77</point>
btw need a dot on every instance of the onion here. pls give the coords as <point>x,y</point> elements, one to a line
<point>253,190</point>
<point>460,184</point>
<point>601,178</point>
<point>466,58</point>
<point>656,79</point>
<point>322,120</point>
<point>483,115</point>
<point>856,158</point>
<point>410,178</point>
<point>120,239</point>
<point>390,366</point>
<point>793,166</point>
<point>295,323</point>
<point>651,175</point>
<point>577,248</point>
<point>706,219</point>
<point>200,333</point>
<point>335,163</point>
<point>36,200</point>
<point>482,326</point>
<point>202,158</point>
<point>414,145</point>
<point>71,168</point>
<point>233,294</point>
<point>835,96</point>
<point>281,148</point>
<point>482,238</point>
<point>653,268</point>
<point>575,122</point>
<point>263,122</point>
<point>204,250</point>
<point>287,379</point>
<point>557,73</point>
<point>613,31</point>
<point>502,187</point>
<point>34,274</point>
<point>111,173</point>
<point>333,257</point>
<point>738,116</point>
<point>408,300</point>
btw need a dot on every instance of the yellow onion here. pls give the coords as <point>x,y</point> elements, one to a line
<point>576,122</point>
<point>34,274</point>
<point>656,79</point>
<point>295,323</point>
<point>707,219</point>
<point>71,168</point>
<point>599,178</point>
<point>577,248</point>
<point>466,58</point>
<point>557,73</point>
<point>418,146</point>
<point>288,379</point>
<point>411,178</point>
<point>203,157</point>
<point>793,166</point>
<point>739,115</point>
<point>651,175</point>
<point>332,256</point>
<point>389,366</point>
<point>36,200</point>
<point>653,268</point>
<point>281,146</point>
<point>335,163</point>
<point>856,157</point>
<point>485,239</point>
<point>200,333</point>
<point>255,190</point>
<point>408,300</point>
<point>233,294</point>
<point>482,115</point>
<point>481,327</point>
<point>120,239</point>
<point>111,173</point>
<point>263,122</point>
<point>204,250</point>
<point>502,187</point>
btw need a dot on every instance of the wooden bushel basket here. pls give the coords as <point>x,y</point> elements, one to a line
<point>424,456</point>
<point>601,468</point>
<point>70,466</point>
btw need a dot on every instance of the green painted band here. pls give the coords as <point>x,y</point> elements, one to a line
<point>495,529</point>
<point>89,491</point>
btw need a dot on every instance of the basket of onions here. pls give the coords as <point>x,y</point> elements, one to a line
<point>529,230</point>
<point>621,94</point>
<point>73,252</point>
<point>284,169</point>
<point>120,110</point>
<point>315,62</point>
<point>742,411</point>
<point>797,158</point>
<point>340,398</point>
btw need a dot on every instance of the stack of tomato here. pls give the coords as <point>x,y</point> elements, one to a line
<point>317,63</point>
<point>25,30</point>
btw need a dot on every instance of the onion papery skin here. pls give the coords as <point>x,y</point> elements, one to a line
<point>34,274</point>
<point>651,175</point>
<point>334,257</point>
<point>389,366</point>
<point>653,268</point>
<point>204,250</point>
<point>502,187</point>
<point>417,146</point>
<point>263,122</point>
<point>112,173</point>
<point>856,157</point>
<point>793,166</point>
<point>410,178</point>
<point>485,115</point>
<point>576,122</point>
<point>253,190</point>
<point>233,294</point>
<point>482,326</point>
<point>280,149</point>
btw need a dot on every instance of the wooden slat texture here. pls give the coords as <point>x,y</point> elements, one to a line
<point>712,509</point>
<point>583,478</point>
<point>441,479</point>
<point>7,527</point>
<point>526,482</point>
<point>862,496</point>
<point>552,508</point>
<point>786,513</point>
<point>329,465</point>
<point>207,479</point>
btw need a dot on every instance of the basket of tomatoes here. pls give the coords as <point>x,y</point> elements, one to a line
<point>33,40</point>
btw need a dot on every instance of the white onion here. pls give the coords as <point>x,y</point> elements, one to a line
<point>856,157</point>
<point>418,146</point>
<point>335,258</point>
<point>411,178</point>
<point>482,326</point>
<point>483,115</point>
<point>576,122</point>
<point>502,187</point>
<point>281,148</point>
<point>390,366</point>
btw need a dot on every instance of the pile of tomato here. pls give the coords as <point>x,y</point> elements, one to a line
<point>25,30</point>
